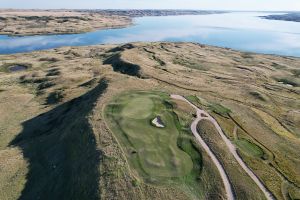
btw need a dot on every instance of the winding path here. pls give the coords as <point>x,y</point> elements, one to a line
<point>201,114</point>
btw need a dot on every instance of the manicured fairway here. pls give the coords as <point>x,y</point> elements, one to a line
<point>152,151</point>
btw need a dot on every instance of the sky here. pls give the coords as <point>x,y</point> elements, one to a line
<point>254,5</point>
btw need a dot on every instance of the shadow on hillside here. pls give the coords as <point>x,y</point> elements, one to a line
<point>123,67</point>
<point>60,148</point>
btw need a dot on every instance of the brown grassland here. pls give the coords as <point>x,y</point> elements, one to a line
<point>41,22</point>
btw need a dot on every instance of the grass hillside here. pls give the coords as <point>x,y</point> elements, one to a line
<point>63,160</point>
<point>77,123</point>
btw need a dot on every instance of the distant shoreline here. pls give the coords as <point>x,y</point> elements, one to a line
<point>53,22</point>
<point>153,12</point>
<point>31,22</point>
<point>292,17</point>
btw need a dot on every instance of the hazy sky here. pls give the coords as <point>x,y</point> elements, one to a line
<point>157,4</point>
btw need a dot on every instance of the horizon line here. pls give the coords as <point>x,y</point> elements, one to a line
<point>165,9</point>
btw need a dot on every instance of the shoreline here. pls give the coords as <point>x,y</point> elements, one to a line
<point>54,22</point>
<point>15,22</point>
<point>288,17</point>
<point>70,33</point>
<point>99,29</point>
<point>162,42</point>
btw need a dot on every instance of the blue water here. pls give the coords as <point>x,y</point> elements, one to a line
<point>240,31</point>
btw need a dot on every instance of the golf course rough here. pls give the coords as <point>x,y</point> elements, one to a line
<point>153,152</point>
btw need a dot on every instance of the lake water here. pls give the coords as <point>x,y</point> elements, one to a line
<point>240,31</point>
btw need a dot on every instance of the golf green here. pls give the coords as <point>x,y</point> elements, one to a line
<point>152,151</point>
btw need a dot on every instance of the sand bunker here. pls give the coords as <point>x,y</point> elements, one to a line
<point>158,122</point>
